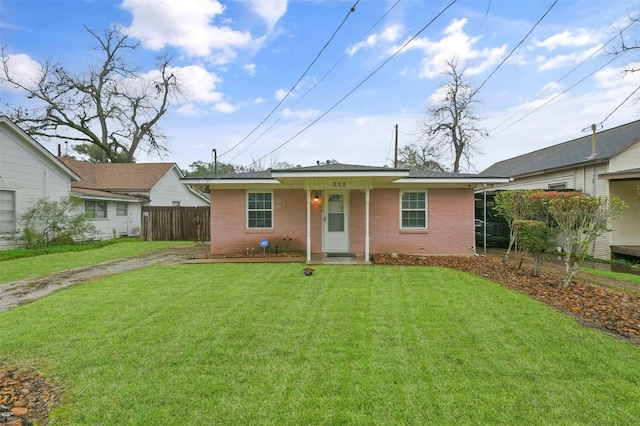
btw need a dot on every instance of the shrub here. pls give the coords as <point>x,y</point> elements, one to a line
<point>535,237</point>
<point>50,223</point>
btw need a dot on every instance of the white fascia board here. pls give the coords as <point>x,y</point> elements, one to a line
<point>489,181</point>
<point>338,174</point>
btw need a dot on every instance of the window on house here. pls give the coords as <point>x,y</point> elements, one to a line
<point>121,209</point>
<point>99,208</point>
<point>7,212</point>
<point>259,210</point>
<point>413,206</point>
<point>557,186</point>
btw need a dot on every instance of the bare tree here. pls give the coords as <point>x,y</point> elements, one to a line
<point>451,126</point>
<point>111,110</point>
<point>419,157</point>
<point>628,45</point>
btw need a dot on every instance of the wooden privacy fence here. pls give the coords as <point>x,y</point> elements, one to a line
<point>175,223</point>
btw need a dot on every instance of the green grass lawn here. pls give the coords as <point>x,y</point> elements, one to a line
<point>263,344</point>
<point>27,267</point>
<point>631,278</point>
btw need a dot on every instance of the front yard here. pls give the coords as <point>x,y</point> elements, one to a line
<point>264,344</point>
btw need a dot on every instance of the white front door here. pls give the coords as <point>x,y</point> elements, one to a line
<point>336,221</point>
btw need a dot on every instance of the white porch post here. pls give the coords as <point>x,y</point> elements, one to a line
<point>308,225</point>
<point>366,226</point>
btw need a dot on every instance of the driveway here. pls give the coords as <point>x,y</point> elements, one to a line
<point>19,292</point>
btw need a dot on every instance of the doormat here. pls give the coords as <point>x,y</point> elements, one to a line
<point>341,255</point>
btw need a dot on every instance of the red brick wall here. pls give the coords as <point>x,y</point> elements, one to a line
<point>450,229</point>
<point>229,233</point>
<point>450,223</point>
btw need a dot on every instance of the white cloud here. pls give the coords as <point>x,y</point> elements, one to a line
<point>187,25</point>
<point>568,39</point>
<point>224,107</point>
<point>259,101</point>
<point>250,69</point>
<point>560,61</point>
<point>23,70</point>
<point>197,87</point>
<point>609,78</point>
<point>389,35</point>
<point>269,10</point>
<point>300,115</point>
<point>454,43</point>
<point>280,94</point>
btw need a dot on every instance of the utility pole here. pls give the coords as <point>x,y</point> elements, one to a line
<point>214,161</point>
<point>395,161</point>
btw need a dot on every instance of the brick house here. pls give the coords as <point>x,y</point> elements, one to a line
<point>338,209</point>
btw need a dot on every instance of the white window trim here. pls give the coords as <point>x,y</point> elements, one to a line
<point>14,221</point>
<point>246,208</point>
<point>426,210</point>
<point>106,210</point>
<point>126,209</point>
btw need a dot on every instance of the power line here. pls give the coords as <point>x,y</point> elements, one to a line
<point>315,85</point>
<point>621,103</point>
<point>353,8</point>
<point>556,96</point>
<point>517,46</point>
<point>562,78</point>
<point>358,85</point>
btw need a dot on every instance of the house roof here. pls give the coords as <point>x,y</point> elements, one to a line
<point>44,154</point>
<point>118,176</point>
<point>571,153</point>
<point>390,174</point>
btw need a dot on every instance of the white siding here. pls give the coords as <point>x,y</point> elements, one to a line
<point>170,189</point>
<point>542,182</point>
<point>626,229</point>
<point>29,172</point>
<point>117,226</point>
<point>627,159</point>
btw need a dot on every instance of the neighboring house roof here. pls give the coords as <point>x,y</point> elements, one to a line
<point>95,194</point>
<point>118,176</point>
<point>570,154</point>
<point>44,154</point>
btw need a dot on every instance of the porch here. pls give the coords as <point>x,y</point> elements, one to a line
<point>328,259</point>
<point>627,250</point>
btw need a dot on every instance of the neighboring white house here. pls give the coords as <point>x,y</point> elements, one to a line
<point>28,173</point>
<point>602,164</point>
<point>116,192</point>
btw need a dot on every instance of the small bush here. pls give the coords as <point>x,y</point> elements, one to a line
<point>50,223</point>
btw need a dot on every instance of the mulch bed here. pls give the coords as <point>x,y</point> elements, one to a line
<point>26,397</point>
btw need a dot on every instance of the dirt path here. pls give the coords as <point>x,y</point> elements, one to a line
<point>19,292</point>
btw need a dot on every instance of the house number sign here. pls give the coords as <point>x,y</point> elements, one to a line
<point>337,184</point>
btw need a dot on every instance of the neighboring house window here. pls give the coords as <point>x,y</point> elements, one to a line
<point>557,186</point>
<point>413,206</point>
<point>7,212</point>
<point>99,208</point>
<point>121,209</point>
<point>259,210</point>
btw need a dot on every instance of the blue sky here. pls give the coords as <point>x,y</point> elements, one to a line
<point>238,58</point>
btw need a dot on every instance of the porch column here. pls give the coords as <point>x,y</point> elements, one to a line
<point>308,225</point>
<point>366,226</point>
